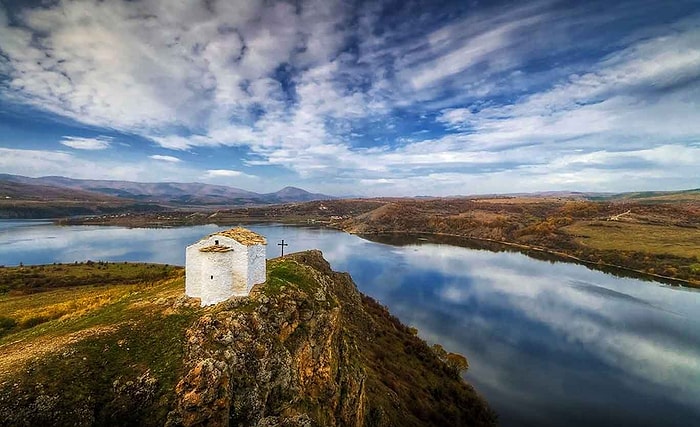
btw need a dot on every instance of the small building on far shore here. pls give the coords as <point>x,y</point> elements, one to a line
<point>224,264</point>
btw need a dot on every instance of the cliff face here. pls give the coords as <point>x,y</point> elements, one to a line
<point>305,349</point>
<point>279,355</point>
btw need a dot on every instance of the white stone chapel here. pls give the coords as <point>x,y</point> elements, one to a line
<point>224,264</point>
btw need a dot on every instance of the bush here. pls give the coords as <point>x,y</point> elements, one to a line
<point>33,321</point>
<point>6,323</point>
<point>457,362</point>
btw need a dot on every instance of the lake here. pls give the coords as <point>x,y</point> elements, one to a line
<point>548,343</point>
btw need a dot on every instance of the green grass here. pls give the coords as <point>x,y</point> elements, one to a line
<point>40,278</point>
<point>284,272</point>
<point>63,291</point>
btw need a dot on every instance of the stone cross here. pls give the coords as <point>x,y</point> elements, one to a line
<point>283,245</point>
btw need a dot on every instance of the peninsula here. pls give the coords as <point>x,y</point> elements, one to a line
<point>305,348</point>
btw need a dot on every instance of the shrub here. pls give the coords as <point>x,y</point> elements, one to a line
<point>457,362</point>
<point>6,323</point>
<point>33,321</point>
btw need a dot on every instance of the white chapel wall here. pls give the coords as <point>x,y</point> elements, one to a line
<point>193,279</point>
<point>256,265</point>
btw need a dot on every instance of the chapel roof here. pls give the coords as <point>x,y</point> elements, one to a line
<point>215,248</point>
<point>242,236</point>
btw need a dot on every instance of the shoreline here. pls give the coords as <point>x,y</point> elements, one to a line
<point>522,248</point>
<point>564,257</point>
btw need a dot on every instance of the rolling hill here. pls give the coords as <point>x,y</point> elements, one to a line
<point>165,193</point>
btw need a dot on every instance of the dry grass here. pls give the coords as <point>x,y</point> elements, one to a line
<point>111,334</point>
<point>15,354</point>
<point>44,323</point>
<point>60,304</point>
<point>483,216</point>
<point>523,200</point>
<point>624,236</point>
<point>687,196</point>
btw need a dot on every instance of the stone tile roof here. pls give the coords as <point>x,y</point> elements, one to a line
<point>215,248</point>
<point>242,236</point>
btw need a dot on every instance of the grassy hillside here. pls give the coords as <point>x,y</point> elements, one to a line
<point>79,288</point>
<point>626,236</point>
<point>80,342</point>
<point>39,278</point>
<point>655,196</point>
<point>305,349</point>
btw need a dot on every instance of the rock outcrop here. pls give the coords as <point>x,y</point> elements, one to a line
<point>296,354</point>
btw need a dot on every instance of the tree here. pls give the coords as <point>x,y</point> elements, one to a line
<point>454,361</point>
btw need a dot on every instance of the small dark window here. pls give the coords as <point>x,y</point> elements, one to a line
<point>212,277</point>
<point>216,242</point>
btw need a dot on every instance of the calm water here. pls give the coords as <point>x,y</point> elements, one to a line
<point>548,343</point>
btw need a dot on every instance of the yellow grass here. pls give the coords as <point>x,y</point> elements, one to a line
<point>655,239</point>
<point>60,304</point>
<point>49,321</point>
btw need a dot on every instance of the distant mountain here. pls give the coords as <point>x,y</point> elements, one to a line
<point>170,193</point>
<point>23,200</point>
<point>10,190</point>
<point>294,194</point>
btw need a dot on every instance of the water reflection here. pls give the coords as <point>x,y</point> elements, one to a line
<point>403,239</point>
<point>562,347</point>
<point>548,343</point>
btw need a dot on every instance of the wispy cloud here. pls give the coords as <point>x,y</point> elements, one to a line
<point>170,159</point>
<point>47,162</point>
<point>80,143</point>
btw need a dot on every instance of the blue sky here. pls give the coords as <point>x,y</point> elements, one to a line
<point>364,98</point>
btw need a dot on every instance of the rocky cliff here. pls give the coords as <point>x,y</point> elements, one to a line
<point>305,349</point>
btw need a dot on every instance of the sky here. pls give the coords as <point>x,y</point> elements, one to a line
<point>367,98</point>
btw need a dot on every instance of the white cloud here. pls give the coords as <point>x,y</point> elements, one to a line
<point>225,173</point>
<point>455,117</point>
<point>486,46</point>
<point>213,71</point>
<point>613,99</point>
<point>80,143</point>
<point>42,163</point>
<point>170,159</point>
